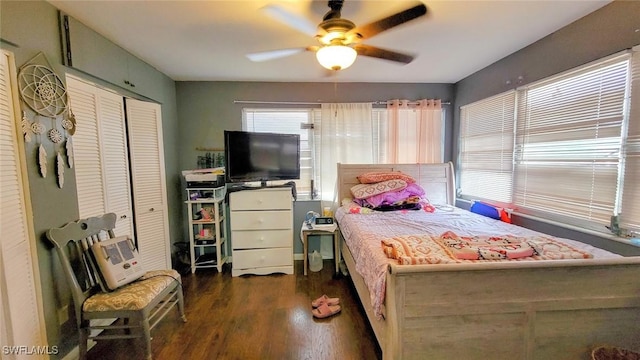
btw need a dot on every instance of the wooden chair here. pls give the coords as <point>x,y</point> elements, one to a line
<point>140,304</point>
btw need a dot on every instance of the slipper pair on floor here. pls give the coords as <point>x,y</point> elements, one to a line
<point>325,306</point>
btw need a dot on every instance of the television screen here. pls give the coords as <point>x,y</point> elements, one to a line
<point>251,156</point>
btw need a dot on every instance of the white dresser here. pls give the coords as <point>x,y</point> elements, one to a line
<point>261,231</point>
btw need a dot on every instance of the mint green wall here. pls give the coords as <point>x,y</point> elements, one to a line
<point>206,109</point>
<point>33,26</point>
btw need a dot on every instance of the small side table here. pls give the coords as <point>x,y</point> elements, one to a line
<point>321,230</point>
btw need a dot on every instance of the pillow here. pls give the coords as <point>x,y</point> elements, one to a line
<point>378,176</point>
<point>395,196</point>
<point>362,191</point>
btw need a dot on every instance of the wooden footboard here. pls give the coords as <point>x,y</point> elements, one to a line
<point>508,311</point>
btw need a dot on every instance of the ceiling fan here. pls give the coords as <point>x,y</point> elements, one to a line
<point>340,39</point>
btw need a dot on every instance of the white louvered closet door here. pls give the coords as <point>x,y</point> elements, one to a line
<point>101,157</point>
<point>21,317</point>
<point>144,121</point>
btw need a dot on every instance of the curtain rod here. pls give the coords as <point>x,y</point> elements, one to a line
<point>378,102</point>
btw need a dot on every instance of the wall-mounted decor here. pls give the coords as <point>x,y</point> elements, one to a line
<point>60,170</point>
<point>69,147</point>
<point>42,160</point>
<point>41,89</point>
<point>44,93</point>
<point>25,125</point>
<point>69,123</point>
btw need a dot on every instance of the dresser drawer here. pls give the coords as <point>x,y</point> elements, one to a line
<point>245,259</point>
<point>264,199</point>
<point>247,239</point>
<point>261,220</point>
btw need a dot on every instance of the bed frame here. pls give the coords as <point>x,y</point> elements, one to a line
<point>557,309</point>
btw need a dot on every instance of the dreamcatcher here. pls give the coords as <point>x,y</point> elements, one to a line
<point>43,91</point>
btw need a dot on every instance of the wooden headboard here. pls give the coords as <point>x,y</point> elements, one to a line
<point>437,180</point>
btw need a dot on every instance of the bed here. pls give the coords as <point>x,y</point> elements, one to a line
<point>546,309</point>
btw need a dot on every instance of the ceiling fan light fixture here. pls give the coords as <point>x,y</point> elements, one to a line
<point>336,57</point>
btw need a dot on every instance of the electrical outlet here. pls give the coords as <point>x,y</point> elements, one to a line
<point>63,314</point>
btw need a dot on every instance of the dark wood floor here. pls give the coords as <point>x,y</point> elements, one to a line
<point>256,317</point>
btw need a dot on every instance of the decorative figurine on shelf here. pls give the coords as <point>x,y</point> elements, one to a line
<point>206,214</point>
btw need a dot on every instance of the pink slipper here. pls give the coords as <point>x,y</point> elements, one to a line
<point>325,310</point>
<point>324,299</point>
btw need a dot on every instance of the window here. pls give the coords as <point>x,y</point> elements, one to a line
<point>568,139</point>
<point>414,132</point>
<point>486,148</point>
<point>288,121</point>
<point>317,154</point>
<point>564,154</point>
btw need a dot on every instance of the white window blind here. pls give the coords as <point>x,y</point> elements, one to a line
<point>568,139</point>
<point>287,121</point>
<point>630,214</point>
<point>486,148</point>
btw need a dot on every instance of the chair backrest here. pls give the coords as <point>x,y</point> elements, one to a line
<point>72,243</point>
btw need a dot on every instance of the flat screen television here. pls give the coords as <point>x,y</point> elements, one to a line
<point>252,156</point>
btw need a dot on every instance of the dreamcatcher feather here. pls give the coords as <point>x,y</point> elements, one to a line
<point>60,168</point>
<point>69,147</point>
<point>42,160</point>
<point>26,127</point>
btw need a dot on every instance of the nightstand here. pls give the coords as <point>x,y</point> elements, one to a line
<point>333,230</point>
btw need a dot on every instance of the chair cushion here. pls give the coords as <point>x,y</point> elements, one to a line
<point>133,296</point>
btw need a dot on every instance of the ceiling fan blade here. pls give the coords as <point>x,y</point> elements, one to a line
<point>276,54</point>
<point>293,20</point>
<point>376,27</point>
<point>372,51</point>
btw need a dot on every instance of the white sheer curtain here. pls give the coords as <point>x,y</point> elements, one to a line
<point>343,135</point>
<point>414,131</point>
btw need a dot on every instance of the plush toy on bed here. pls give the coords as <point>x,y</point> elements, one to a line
<point>389,191</point>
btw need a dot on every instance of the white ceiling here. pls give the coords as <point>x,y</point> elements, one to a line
<point>208,40</point>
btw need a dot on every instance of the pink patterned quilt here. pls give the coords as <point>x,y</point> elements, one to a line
<point>451,248</point>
